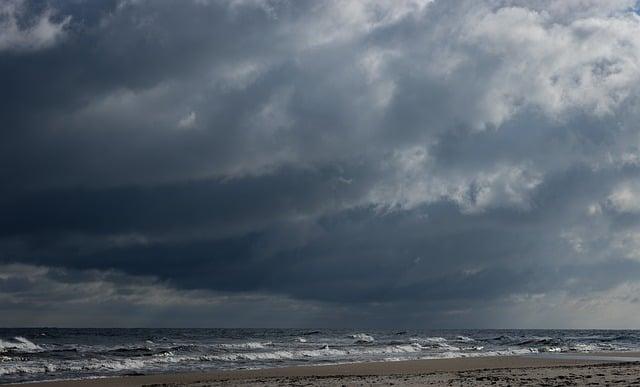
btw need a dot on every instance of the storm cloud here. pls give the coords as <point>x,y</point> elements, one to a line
<point>336,163</point>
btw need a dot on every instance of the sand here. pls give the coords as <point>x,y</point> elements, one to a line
<point>490,371</point>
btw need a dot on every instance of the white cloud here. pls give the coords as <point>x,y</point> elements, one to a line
<point>339,21</point>
<point>505,186</point>
<point>586,64</point>
<point>187,121</point>
<point>414,179</point>
<point>626,243</point>
<point>625,198</point>
<point>561,11</point>
<point>42,33</point>
<point>484,62</point>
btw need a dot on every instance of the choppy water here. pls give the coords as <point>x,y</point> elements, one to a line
<point>46,353</point>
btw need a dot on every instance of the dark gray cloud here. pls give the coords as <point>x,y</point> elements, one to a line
<point>458,162</point>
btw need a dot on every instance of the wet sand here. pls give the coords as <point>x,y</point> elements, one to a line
<point>496,371</point>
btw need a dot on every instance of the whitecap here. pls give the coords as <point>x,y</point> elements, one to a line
<point>448,347</point>
<point>19,344</point>
<point>550,349</point>
<point>248,345</point>
<point>428,339</point>
<point>435,343</point>
<point>362,338</point>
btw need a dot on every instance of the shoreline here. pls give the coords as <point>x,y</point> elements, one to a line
<point>389,370</point>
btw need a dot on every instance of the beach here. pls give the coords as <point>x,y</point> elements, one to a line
<point>584,369</point>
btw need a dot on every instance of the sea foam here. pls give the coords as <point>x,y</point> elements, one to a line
<point>362,338</point>
<point>77,353</point>
<point>19,344</point>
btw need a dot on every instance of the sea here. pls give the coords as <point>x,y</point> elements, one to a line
<point>55,353</point>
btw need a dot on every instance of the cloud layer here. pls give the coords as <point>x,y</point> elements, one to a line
<point>459,162</point>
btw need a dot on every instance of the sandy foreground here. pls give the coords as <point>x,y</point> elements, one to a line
<point>607,369</point>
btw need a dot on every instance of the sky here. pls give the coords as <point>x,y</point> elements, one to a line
<point>274,163</point>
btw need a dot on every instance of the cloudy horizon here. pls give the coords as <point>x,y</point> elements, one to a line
<point>274,163</point>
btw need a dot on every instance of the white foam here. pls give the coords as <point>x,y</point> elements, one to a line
<point>434,342</point>
<point>115,365</point>
<point>276,355</point>
<point>428,340</point>
<point>406,348</point>
<point>325,351</point>
<point>434,339</point>
<point>19,344</point>
<point>508,352</point>
<point>93,364</point>
<point>580,347</point>
<point>248,345</point>
<point>550,349</point>
<point>11,369</point>
<point>249,353</point>
<point>164,354</point>
<point>362,338</point>
<point>448,347</point>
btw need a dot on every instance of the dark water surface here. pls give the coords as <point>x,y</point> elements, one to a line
<point>51,353</point>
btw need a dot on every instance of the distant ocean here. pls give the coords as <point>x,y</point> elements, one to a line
<point>47,353</point>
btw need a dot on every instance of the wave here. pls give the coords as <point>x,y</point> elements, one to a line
<point>580,347</point>
<point>148,351</point>
<point>248,345</point>
<point>434,343</point>
<point>258,358</point>
<point>161,360</point>
<point>540,341</point>
<point>60,356</point>
<point>362,338</point>
<point>429,339</point>
<point>93,365</point>
<point>183,347</point>
<point>325,351</point>
<point>19,344</point>
<point>90,365</point>
<point>132,351</point>
<point>501,338</point>
<point>360,354</point>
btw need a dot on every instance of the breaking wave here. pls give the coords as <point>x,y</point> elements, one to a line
<point>91,353</point>
<point>19,344</point>
<point>249,345</point>
<point>362,338</point>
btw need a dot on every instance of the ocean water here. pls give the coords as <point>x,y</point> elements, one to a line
<point>48,353</point>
